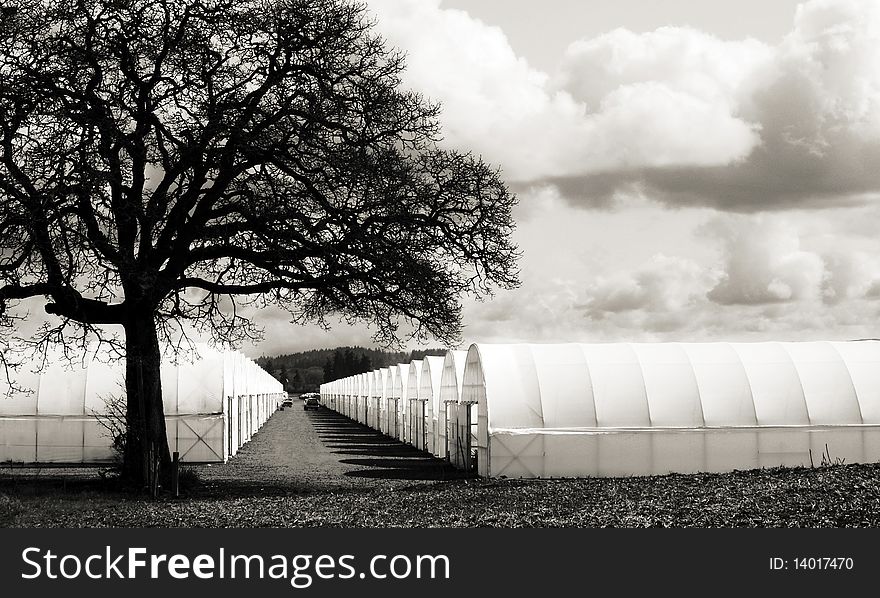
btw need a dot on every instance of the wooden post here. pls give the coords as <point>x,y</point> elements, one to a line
<point>175,474</point>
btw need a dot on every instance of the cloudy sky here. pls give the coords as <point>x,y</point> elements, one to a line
<point>686,170</point>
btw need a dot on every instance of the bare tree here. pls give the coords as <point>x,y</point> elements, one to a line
<point>165,161</point>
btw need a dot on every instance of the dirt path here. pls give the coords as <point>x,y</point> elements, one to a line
<point>302,451</point>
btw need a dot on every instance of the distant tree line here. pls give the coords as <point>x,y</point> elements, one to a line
<point>307,370</point>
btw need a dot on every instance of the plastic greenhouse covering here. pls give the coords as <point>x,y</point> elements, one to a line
<point>388,405</point>
<point>611,409</point>
<point>429,393</point>
<point>415,410</point>
<point>398,405</point>
<point>640,409</point>
<point>213,405</point>
<point>450,390</point>
<point>380,391</point>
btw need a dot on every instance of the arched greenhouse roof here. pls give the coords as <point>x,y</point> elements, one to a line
<point>675,385</point>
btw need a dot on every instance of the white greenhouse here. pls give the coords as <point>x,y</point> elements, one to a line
<point>380,390</point>
<point>213,405</point>
<point>448,445</point>
<point>415,410</point>
<point>618,409</point>
<point>398,405</point>
<point>359,401</point>
<point>388,405</point>
<point>429,394</point>
<point>346,401</point>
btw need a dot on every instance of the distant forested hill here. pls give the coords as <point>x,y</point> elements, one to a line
<point>305,371</point>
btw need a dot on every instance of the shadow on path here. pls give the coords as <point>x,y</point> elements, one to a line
<point>375,455</point>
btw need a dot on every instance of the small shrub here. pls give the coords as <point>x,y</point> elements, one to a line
<point>114,420</point>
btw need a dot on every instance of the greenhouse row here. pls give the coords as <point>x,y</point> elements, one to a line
<point>63,414</point>
<point>618,409</point>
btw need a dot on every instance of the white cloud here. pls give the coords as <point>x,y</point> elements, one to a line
<point>495,104</point>
<point>650,124</point>
<point>684,118</point>
<point>764,263</point>
<point>834,49</point>
<point>663,284</point>
<point>692,119</point>
<point>813,101</point>
<point>692,62</point>
<point>768,259</point>
<point>673,96</point>
<point>783,276</point>
<point>850,275</point>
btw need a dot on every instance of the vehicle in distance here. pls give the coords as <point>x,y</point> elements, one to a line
<point>310,400</point>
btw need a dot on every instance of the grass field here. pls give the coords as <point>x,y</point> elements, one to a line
<point>835,496</point>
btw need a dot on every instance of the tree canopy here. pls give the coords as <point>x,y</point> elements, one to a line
<point>181,156</point>
<point>165,161</point>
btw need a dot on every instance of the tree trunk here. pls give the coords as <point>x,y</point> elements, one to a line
<point>146,442</point>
